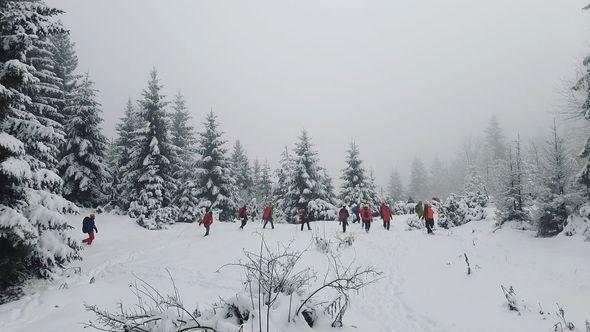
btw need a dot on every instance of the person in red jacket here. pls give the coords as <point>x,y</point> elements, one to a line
<point>343,217</point>
<point>366,217</point>
<point>267,216</point>
<point>428,217</point>
<point>304,219</point>
<point>207,220</point>
<point>385,215</point>
<point>243,215</point>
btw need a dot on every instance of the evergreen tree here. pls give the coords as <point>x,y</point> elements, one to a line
<point>281,189</point>
<point>242,173</point>
<point>123,175</point>
<point>328,188</point>
<point>305,182</point>
<point>582,87</point>
<point>558,196</point>
<point>182,134</point>
<point>418,188</point>
<point>355,187</point>
<point>494,156</point>
<point>33,231</point>
<point>215,185</point>
<point>153,158</point>
<point>83,167</point>
<point>188,199</point>
<point>512,202</point>
<point>395,187</point>
<point>65,62</point>
<point>264,189</point>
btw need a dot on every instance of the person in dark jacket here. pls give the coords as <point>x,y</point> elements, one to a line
<point>343,217</point>
<point>366,217</point>
<point>356,214</point>
<point>89,227</point>
<point>267,216</point>
<point>243,215</point>
<point>304,219</point>
<point>386,215</point>
<point>207,220</point>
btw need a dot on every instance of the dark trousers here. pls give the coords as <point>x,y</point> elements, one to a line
<point>266,222</point>
<point>207,230</point>
<point>367,225</point>
<point>344,224</point>
<point>429,226</point>
<point>244,221</point>
<point>386,224</point>
<point>355,218</point>
<point>305,222</point>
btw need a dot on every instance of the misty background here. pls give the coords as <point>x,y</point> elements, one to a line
<point>401,78</point>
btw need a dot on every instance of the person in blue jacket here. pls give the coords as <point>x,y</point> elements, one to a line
<point>89,227</point>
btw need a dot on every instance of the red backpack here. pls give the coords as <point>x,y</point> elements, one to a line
<point>266,215</point>
<point>343,215</point>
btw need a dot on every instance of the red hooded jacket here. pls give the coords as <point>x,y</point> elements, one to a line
<point>207,219</point>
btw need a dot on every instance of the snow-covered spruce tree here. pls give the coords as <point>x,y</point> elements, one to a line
<point>83,167</point>
<point>305,182</point>
<point>122,175</point>
<point>215,185</point>
<point>475,187</point>
<point>264,187</point>
<point>65,62</point>
<point>418,188</point>
<point>242,173</point>
<point>33,237</point>
<point>355,182</point>
<point>558,197</point>
<point>375,197</point>
<point>494,156</point>
<point>281,188</point>
<point>582,88</point>
<point>181,132</point>
<point>187,199</point>
<point>395,187</point>
<point>153,158</point>
<point>512,201</point>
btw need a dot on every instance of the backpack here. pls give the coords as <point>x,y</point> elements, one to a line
<point>343,214</point>
<point>85,226</point>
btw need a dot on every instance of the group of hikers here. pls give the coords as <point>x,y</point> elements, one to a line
<point>362,215</point>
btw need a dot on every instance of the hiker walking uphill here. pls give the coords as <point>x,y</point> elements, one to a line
<point>89,227</point>
<point>343,217</point>
<point>207,220</point>
<point>243,215</point>
<point>428,217</point>
<point>304,219</point>
<point>366,217</point>
<point>267,216</point>
<point>386,215</point>
<point>356,214</point>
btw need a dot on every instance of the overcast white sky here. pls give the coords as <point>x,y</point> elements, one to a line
<point>399,77</point>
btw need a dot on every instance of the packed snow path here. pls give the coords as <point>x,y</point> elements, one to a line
<point>425,286</point>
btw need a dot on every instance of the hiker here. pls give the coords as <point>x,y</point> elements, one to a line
<point>343,217</point>
<point>419,209</point>
<point>243,215</point>
<point>89,227</point>
<point>207,220</point>
<point>267,216</point>
<point>386,215</point>
<point>428,217</point>
<point>304,219</point>
<point>366,217</point>
<point>355,214</point>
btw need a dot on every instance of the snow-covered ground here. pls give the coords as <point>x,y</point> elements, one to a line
<point>425,285</point>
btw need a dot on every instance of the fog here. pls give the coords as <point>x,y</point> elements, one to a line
<point>401,78</point>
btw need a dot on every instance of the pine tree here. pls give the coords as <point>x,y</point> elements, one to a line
<point>512,200</point>
<point>264,189</point>
<point>65,62</point>
<point>281,188</point>
<point>495,152</point>
<point>305,180</point>
<point>395,187</point>
<point>418,188</point>
<point>558,196</point>
<point>242,173</point>
<point>355,187</point>
<point>582,87</point>
<point>122,174</point>
<point>83,167</point>
<point>182,134</point>
<point>215,185</point>
<point>33,231</point>
<point>153,158</point>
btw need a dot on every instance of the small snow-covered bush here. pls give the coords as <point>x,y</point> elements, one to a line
<point>579,224</point>
<point>458,210</point>
<point>403,207</point>
<point>319,209</point>
<point>414,222</point>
